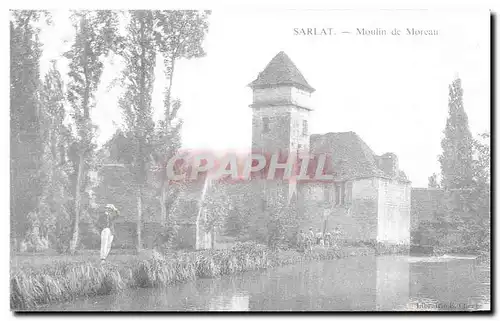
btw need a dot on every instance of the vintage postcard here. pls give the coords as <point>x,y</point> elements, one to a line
<point>250,159</point>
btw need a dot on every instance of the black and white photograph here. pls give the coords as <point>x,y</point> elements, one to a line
<point>250,159</point>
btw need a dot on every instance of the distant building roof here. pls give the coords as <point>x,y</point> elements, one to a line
<point>281,71</point>
<point>351,157</point>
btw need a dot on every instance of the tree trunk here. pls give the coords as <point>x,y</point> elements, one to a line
<point>76,230</point>
<point>139,221</point>
<point>163,205</point>
<point>212,238</point>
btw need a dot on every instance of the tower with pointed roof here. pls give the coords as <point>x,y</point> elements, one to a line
<point>369,197</point>
<point>281,108</point>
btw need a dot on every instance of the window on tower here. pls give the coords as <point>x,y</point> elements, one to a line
<point>265,125</point>
<point>304,128</point>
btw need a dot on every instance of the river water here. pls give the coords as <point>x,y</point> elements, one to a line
<point>369,283</point>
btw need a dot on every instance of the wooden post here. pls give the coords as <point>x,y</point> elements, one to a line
<point>139,221</point>
<point>212,246</point>
<point>326,212</point>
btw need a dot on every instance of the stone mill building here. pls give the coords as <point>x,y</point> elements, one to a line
<point>369,198</point>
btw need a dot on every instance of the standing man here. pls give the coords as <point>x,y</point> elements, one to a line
<point>300,241</point>
<point>310,238</point>
<point>328,238</point>
<point>319,237</point>
<point>336,236</point>
<point>108,230</point>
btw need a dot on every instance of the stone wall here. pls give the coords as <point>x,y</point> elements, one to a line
<point>286,128</point>
<point>426,205</point>
<point>275,95</point>
<point>363,209</point>
<point>357,219</point>
<point>312,205</point>
<point>277,137</point>
<point>301,97</point>
<point>393,211</point>
<point>379,210</point>
<point>299,140</point>
<point>282,95</point>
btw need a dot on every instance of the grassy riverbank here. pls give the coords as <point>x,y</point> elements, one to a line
<point>32,286</point>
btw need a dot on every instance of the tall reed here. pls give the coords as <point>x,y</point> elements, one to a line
<point>30,288</point>
<point>64,282</point>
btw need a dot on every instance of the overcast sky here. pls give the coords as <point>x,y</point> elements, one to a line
<point>392,91</point>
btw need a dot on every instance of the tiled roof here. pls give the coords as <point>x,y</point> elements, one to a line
<point>281,71</point>
<point>351,156</point>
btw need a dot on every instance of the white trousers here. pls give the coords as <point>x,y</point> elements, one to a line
<point>106,240</point>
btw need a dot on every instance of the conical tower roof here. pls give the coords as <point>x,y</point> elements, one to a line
<point>281,71</point>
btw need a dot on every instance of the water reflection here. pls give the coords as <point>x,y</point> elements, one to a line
<point>393,283</point>
<point>236,302</point>
<point>367,283</point>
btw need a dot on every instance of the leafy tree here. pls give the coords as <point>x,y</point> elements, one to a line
<point>25,118</point>
<point>139,54</point>
<point>482,175</point>
<point>482,190</point>
<point>467,210</point>
<point>456,160</point>
<point>179,35</point>
<point>116,180</point>
<point>53,209</point>
<point>433,181</point>
<point>464,170</point>
<point>95,37</point>
<point>465,178</point>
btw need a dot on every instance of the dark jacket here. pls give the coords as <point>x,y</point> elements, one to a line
<point>106,221</point>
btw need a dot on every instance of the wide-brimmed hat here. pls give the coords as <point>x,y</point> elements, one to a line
<point>111,207</point>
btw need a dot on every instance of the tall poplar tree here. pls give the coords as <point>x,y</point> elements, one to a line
<point>463,167</point>
<point>179,35</point>
<point>25,119</point>
<point>139,54</point>
<point>55,195</point>
<point>456,159</point>
<point>95,35</point>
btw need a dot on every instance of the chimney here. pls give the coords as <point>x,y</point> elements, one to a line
<point>389,164</point>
